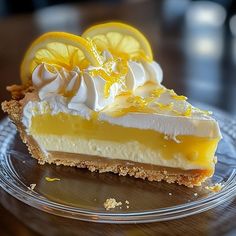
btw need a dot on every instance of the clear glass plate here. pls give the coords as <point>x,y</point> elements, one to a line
<point>80,194</point>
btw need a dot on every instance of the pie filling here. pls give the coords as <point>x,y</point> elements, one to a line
<point>64,132</point>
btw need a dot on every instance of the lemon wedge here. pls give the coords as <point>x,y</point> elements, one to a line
<point>59,49</point>
<point>121,40</point>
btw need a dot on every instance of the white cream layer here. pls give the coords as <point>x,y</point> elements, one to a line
<point>131,151</point>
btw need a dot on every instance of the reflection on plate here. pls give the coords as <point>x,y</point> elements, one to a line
<point>80,194</point>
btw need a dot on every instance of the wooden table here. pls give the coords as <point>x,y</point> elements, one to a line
<point>205,76</point>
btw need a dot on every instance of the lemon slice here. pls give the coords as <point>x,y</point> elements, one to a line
<point>120,39</point>
<point>60,50</point>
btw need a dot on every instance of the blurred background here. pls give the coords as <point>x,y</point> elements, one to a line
<point>194,41</point>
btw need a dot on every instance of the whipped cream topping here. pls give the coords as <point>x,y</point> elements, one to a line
<point>77,87</point>
<point>80,93</point>
<point>82,87</point>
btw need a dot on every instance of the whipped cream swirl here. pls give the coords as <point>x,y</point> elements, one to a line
<point>81,87</point>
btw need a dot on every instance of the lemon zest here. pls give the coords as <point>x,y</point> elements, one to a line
<point>157,92</point>
<point>52,179</point>
<point>179,97</point>
<point>162,106</point>
<point>188,111</point>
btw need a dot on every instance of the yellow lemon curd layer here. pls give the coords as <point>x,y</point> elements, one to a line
<point>196,151</point>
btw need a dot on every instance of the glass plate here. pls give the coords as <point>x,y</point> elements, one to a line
<point>80,194</point>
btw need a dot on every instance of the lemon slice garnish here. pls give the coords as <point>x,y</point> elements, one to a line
<point>59,49</point>
<point>121,40</point>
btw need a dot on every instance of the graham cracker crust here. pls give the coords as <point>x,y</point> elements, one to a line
<point>188,178</point>
<point>149,172</point>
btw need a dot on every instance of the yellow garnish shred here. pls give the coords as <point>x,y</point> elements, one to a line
<point>188,111</point>
<point>157,92</point>
<point>172,92</point>
<point>179,97</point>
<point>52,179</point>
<point>109,75</point>
<point>168,106</point>
<point>137,104</point>
<point>125,93</point>
<point>176,96</point>
<point>137,101</point>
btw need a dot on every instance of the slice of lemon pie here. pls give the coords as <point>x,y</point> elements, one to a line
<point>97,102</point>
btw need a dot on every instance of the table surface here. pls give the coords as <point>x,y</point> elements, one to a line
<point>204,74</point>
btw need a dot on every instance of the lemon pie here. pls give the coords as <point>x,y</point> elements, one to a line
<point>97,101</point>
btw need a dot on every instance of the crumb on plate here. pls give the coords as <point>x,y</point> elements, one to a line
<point>215,188</point>
<point>111,203</point>
<point>31,187</point>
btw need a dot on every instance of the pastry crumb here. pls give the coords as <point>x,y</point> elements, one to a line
<point>195,194</point>
<point>126,201</point>
<point>111,203</point>
<point>170,194</point>
<point>215,188</point>
<point>32,187</point>
<point>51,179</point>
<point>127,207</point>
